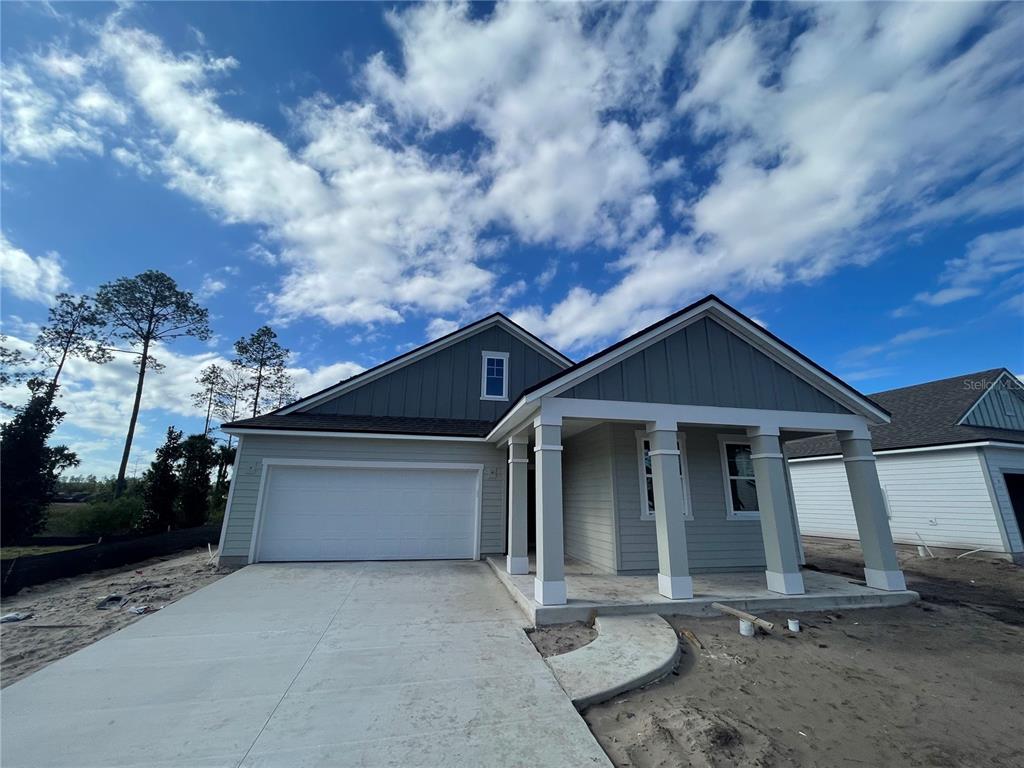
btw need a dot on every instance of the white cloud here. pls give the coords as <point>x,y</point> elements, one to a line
<point>816,159</point>
<point>35,279</point>
<point>131,159</point>
<point>368,226</point>
<point>210,287</point>
<point>440,326</point>
<point>893,346</point>
<point>309,381</point>
<point>538,81</point>
<point>989,259</point>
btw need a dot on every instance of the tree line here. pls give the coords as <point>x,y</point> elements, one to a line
<point>130,315</point>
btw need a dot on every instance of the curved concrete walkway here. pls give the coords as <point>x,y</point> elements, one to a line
<point>630,651</point>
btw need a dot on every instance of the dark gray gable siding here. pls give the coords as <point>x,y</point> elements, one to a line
<point>1001,407</point>
<point>446,385</point>
<point>705,364</point>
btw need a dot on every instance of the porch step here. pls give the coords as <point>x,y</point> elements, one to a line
<point>630,651</point>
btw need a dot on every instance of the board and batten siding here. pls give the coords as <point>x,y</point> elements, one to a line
<point>941,495</point>
<point>587,512</point>
<point>237,535</point>
<point>1001,407</point>
<point>714,543</point>
<point>447,383</point>
<point>705,364</point>
<point>998,461</point>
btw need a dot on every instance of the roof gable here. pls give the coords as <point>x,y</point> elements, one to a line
<point>441,379</point>
<point>705,363</point>
<point>800,379</point>
<point>1001,404</point>
<point>928,414</point>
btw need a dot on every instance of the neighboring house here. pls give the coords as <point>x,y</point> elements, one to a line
<point>660,454</point>
<point>951,465</point>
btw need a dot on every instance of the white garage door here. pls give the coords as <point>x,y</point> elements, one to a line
<point>369,513</point>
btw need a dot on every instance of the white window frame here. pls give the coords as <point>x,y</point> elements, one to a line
<point>483,375</point>
<point>684,475</point>
<point>730,513</point>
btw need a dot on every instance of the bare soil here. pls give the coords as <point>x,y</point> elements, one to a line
<point>64,613</point>
<point>562,638</point>
<point>938,683</point>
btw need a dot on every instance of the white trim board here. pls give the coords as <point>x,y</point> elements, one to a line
<point>731,321</point>
<point>923,449</point>
<point>239,431</point>
<point>231,495</point>
<point>436,346</point>
<point>269,463</point>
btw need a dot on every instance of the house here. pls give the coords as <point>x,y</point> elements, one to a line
<point>661,454</point>
<point>951,464</point>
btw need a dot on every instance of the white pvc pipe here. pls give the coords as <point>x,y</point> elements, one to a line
<point>794,625</point>
<point>746,628</point>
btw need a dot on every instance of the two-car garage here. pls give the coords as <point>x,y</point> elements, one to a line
<point>368,511</point>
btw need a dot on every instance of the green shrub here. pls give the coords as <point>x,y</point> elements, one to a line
<point>105,518</point>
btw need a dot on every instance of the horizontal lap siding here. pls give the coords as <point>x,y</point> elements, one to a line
<point>256,448</point>
<point>1002,460</point>
<point>940,495</point>
<point>587,499</point>
<point>714,543</point>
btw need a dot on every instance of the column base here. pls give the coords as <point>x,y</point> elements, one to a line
<point>549,592</point>
<point>785,583</point>
<point>517,566</point>
<point>890,581</point>
<point>675,587</point>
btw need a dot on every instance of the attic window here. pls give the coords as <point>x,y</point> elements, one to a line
<point>494,377</point>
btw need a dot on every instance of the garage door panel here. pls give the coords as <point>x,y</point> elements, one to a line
<point>356,513</point>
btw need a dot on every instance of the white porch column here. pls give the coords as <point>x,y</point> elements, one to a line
<point>517,561</point>
<point>549,585</point>
<point>881,568</point>
<point>778,518</point>
<point>674,580</point>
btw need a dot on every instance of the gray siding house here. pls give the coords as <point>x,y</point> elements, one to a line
<point>660,455</point>
<point>951,464</point>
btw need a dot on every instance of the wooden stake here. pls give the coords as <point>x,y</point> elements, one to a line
<point>767,626</point>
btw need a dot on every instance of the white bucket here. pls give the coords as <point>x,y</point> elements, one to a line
<point>746,628</point>
<point>794,625</point>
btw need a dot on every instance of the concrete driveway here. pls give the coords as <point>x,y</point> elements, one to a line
<point>340,664</point>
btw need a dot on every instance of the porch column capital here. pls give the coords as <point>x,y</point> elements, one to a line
<point>662,426</point>
<point>763,431</point>
<point>547,419</point>
<point>522,439</point>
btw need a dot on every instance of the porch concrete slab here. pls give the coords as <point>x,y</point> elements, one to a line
<point>628,652</point>
<point>593,594</point>
<point>307,664</point>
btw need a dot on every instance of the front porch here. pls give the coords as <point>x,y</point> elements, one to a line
<point>594,594</point>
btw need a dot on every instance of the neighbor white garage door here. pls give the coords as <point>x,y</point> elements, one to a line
<point>369,513</point>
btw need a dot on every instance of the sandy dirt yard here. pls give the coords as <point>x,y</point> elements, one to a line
<point>64,613</point>
<point>939,683</point>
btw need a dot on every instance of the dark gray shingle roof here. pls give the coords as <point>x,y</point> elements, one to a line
<point>392,425</point>
<point>922,415</point>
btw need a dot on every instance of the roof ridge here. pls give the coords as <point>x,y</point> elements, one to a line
<point>940,381</point>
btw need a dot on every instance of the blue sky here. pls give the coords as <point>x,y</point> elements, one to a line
<point>365,176</point>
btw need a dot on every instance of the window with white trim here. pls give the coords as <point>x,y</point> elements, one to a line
<point>740,484</point>
<point>643,452</point>
<point>494,376</point>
